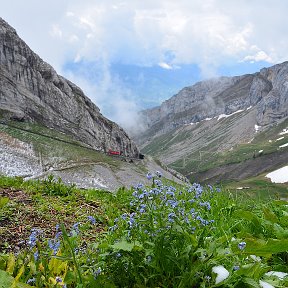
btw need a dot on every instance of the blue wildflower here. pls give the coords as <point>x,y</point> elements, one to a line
<point>170,193</point>
<point>36,255</point>
<point>140,186</point>
<point>58,235</point>
<point>33,237</point>
<point>205,204</point>
<point>75,227</point>
<point>132,203</point>
<point>149,176</point>
<point>54,245</point>
<point>92,220</point>
<point>236,267</point>
<point>173,203</point>
<point>31,281</point>
<point>242,245</point>
<point>58,279</point>
<point>142,208</point>
<point>149,258</point>
<point>97,272</point>
<point>113,228</point>
<point>158,183</point>
<point>131,221</point>
<point>171,217</point>
<point>159,174</point>
<point>135,194</point>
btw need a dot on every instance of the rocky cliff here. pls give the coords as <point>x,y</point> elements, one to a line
<point>31,90</point>
<point>266,90</point>
<point>206,128</point>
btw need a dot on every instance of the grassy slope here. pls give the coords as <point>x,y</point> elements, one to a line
<point>65,149</point>
<point>206,157</point>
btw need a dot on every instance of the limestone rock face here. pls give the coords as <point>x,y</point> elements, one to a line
<point>31,90</point>
<point>267,90</point>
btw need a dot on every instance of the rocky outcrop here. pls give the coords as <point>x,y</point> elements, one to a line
<point>267,90</point>
<point>31,90</point>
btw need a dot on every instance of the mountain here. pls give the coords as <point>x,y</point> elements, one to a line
<point>31,90</point>
<point>48,125</point>
<point>205,128</point>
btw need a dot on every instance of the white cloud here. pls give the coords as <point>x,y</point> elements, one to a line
<point>203,32</point>
<point>258,56</point>
<point>56,31</point>
<point>165,65</point>
<point>167,33</point>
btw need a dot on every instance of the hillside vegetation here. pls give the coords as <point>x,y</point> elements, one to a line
<point>31,150</point>
<point>160,235</point>
<point>195,149</point>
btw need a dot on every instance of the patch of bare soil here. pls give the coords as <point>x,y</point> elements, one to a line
<point>22,213</point>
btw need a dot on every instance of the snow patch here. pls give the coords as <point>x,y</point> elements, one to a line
<point>279,139</point>
<point>260,151</point>
<point>241,188</point>
<point>249,108</point>
<point>257,128</point>
<point>279,176</point>
<point>284,145</point>
<point>226,116</point>
<point>17,158</point>
<point>221,272</point>
<point>284,131</point>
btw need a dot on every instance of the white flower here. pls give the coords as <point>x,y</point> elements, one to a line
<point>221,272</point>
<point>255,258</point>
<point>264,284</point>
<point>280,275</point>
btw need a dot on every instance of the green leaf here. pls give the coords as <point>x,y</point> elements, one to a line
<point>251,282</point>
<point>265,248</point>
<point>7,281</point>
<point>280,232</point>
<point>3,201</point>
<point>126,246</point>
<point>10,264</point>
<point>249,216</point>
<point>269,215</point>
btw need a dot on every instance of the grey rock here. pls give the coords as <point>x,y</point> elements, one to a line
<point>31,90</point>
<point>267,90</point>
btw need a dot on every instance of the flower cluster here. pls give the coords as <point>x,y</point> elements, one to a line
<point>161,207</point>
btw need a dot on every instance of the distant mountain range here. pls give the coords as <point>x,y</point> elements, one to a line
<point>219,122</point>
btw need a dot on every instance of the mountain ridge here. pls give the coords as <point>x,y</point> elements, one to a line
<point>31,90</point>
<point>223,95</point>
<point>210,120</point>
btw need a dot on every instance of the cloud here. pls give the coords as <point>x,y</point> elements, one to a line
<point>110,94</point>
<point>165,65</point>
<point>165,33</point>
<point>208,32</point>
<point>258,56</point>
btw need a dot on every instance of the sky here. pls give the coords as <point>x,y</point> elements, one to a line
<point>133,54</point>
